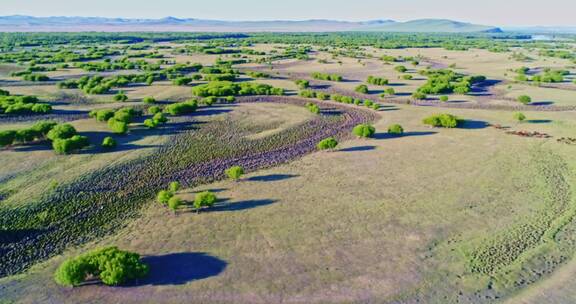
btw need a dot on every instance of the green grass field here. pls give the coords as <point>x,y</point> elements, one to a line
<point>474,214</point>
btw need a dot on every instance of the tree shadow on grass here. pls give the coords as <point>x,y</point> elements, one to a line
<point>181,268</point>
<point>358,149</point>
<point>271,177</point>
<point>539,121</point>
<point>238,206</point>
<point>473,124</point>
<point>542,103</point>
<point>406,134</point>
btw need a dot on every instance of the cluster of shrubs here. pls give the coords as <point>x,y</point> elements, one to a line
<point>117,120</point>
<point>156,120</point>
<point>99,85</point>
<point>388,92</point>
<point>120,64</point>
<point>65,139</point>
<point>37,132</point>
<point>547,76</point>
<point>168,198</point>
<point>35,77</point>
<point>21,105</point>
<point>327,77</point>
<point>339,98</point>
<point>227,88</point>
<point>219,77</point>
<point>255,74</point>
<point>112,265</point>
<point>443,121</point>
<point>377,80</point>
<point>447,81</point>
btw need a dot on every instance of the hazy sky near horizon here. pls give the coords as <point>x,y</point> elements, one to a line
<point>489,12</point>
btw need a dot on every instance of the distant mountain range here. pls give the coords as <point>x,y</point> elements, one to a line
<point>18,23</point>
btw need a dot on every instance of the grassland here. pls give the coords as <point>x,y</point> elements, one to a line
<point>475,214</point>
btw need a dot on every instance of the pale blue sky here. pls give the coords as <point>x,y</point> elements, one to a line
<point>490,12</point>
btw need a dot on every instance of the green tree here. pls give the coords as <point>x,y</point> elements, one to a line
<point>419,96</point>
<point>364,130</point>
<point>154,109</point>
<point>61,131</point>
<point>443,120</point>
<point>174,203</point>
<point>7,137</point>
<point>234,172</point>
<point>113,266</point>
<point>519,116</point>
<point>395,129</point>
<point>117,126</point>
<point>204,199</point>
<point>327,144</point>
<point>69,145</point>
<point>174,186</point>
<point>524,99</point>
<point>363,89</point>
<point>163,196</point>
<point>149,99</point>
<point>120,96</point>
<point>108,142</point>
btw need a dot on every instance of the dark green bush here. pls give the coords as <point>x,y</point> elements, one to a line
<point>7,137</point>
<point>120,96</point>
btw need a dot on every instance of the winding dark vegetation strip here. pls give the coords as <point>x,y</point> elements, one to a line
<point>103,201</point>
